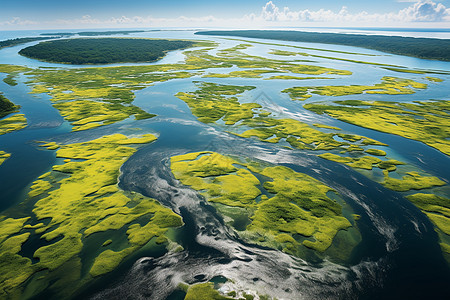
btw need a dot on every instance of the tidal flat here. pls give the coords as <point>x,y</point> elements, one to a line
<point>202,166</point>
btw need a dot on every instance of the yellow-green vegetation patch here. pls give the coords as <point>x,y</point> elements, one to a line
<point>289,77</point>
<point>13,71</point>
<point>425,121</point>
<point>242,74</point>
<point>411,181</point>
<point>363,162</point>
<point>388,86</point>
<point>285,53</point>
<point>204,291</point>
<point>85,114</point>
<point>3,156</point>
<point>414,71</point>
<point>12,123</point>
<point>376,152</point>
<point>434,79</point>
<point>85,201</point>
<point>438,210</point>
<point>212,102</point>
<point>299,204</point>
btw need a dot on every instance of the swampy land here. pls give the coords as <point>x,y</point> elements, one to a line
<point>210,167</point>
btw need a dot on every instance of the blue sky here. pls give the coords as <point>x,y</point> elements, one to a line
<point>42,14</point>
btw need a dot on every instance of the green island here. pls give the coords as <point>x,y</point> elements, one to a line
<point>285,210</point>
<point>428,48</point>
<point>70,207</point>
<point>19,41</point>
<point>6,106</point>
<point>93,33</point>
<point>423,121</point>
<point>388,86</point>
<point>12,123</point>
<point>204,291</point>
<point>12,72</point>
<point>437,210</point>
<point>103,50</point>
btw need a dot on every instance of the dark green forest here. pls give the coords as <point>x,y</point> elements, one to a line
<point>93,33</point>
<point>18,41</point>
<point>438,49</point>
<point>6,106</point>
<point>103,50</point>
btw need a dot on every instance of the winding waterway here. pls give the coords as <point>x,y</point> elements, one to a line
<point>398,257</point>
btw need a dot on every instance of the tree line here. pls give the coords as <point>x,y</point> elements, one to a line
<point>427,48</point>
<point>102,50</point>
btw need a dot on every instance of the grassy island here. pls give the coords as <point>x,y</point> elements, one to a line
<point>424,121</point>
<point>73,205</point>
<point>388,86</point>
<point>103,50</point>
<point>12,123</point>
<point>286,210</point>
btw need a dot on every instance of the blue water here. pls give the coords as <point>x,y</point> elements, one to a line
<point>399,256</point>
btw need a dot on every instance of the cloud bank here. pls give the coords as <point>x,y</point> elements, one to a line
<point>421,13</point>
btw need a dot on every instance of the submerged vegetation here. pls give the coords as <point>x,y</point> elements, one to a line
<point>280,209</point>
<point>73,203</point>
<point>103,50</point>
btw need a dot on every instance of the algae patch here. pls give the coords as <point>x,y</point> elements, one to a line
<point>424,121</point>
<point>293,204</point>
<point>79,199</point>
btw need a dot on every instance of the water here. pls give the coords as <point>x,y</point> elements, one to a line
<point>398,257</point>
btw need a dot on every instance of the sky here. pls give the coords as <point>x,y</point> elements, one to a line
<point>79,14</point>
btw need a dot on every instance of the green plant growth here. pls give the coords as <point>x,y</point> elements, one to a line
<point>204,291</point>
<point>103,50</point>
<point>438,211</point>
<point>6,106</point>
<point>411,181</point>
<point>3,156</point>
<point>427,48</point>
<point>12,123</point>
<point>213,102</point>
<point>80,198</point>
<point>424,121</point>
<point>298,204</point>
<point>388,86</point>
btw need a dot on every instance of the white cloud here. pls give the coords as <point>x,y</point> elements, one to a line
<point>424,11</point>
<point>421,11</point>
<point>16,21</point>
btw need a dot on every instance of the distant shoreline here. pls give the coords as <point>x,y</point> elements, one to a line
<point>425,48</point>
